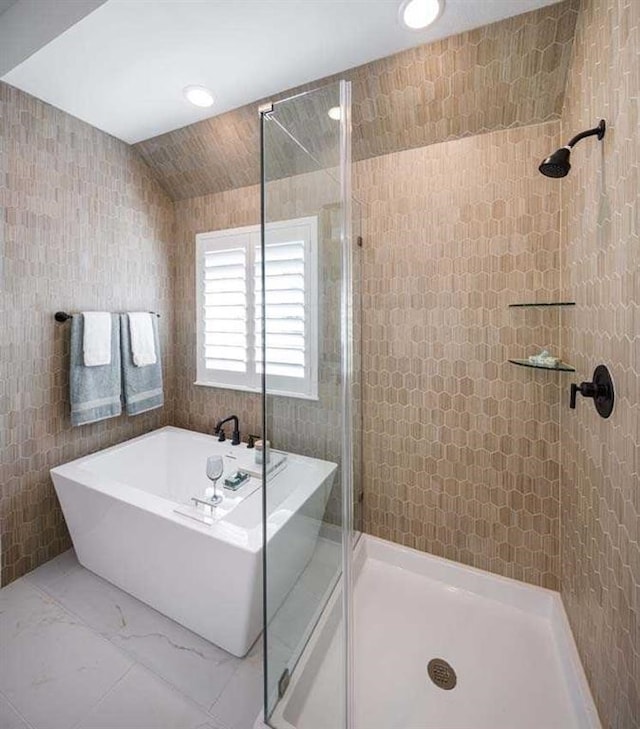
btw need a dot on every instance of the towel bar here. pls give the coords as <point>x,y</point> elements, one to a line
<point>62,316</point>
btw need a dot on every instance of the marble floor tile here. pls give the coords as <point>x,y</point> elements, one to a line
<point>9,719</point>
<point>53,570</point>
<point>196,667</point>
<point>143,701</point>
<point>97,602</point>
<point>241,700</point>
<point>53,668</point>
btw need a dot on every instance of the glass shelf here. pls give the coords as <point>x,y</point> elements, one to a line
<point>542,303</point>
<point>562,367</point>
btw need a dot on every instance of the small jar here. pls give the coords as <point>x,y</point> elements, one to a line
<point>262,451</point>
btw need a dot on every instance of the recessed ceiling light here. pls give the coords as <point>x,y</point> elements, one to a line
<point>418,14</point>
<point>198,95</point>
<point>334,113</point>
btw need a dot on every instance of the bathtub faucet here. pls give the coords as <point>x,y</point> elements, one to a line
<point>219,430</point>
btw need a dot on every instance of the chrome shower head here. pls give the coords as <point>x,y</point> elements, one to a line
<point>557,164</point>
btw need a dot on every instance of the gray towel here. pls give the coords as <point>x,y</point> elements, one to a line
<point>142,385</point>
<point>94,391</point>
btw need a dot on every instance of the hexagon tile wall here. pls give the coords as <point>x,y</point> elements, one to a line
<point>78,203</point>
<point>461,447</point>
<point>600,459</point>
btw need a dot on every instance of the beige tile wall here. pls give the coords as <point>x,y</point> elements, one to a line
<point>600,477</point>
<point>461,447</point>
<point>86,227</point>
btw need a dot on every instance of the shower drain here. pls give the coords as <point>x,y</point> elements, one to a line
<point>442,674</point>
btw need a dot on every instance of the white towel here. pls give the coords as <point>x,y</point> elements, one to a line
<point>96,338</point>
<point>143,348</point>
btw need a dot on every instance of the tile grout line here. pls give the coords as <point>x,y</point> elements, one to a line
<point>140,662</point>
<point>82,623</point>
<point>134,664</point>
<point>104,696</point>
<point>170,688</point>
<point>225,685</point>
<point>17,712</point>
<point>135,661</point>
<point>218,719</point>
<point>220,724</point>
<point>129,655</point>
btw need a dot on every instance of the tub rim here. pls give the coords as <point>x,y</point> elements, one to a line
<point>246,538</point>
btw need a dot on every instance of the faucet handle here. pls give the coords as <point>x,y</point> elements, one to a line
<point>586,389</point>
<point>575,389</point>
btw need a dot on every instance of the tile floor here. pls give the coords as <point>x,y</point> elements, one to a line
<point>78,653</point>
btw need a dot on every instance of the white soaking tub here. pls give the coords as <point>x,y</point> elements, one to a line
<point>122,508</point>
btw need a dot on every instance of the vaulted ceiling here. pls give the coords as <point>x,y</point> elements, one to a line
<point>507,74</point>
<point>122,65</point>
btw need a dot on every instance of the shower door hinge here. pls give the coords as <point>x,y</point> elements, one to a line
<point>283,682</point>
<point>359,241</point>
<point>265,108</point>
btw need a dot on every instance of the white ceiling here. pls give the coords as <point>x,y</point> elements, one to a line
<point>122,68</point>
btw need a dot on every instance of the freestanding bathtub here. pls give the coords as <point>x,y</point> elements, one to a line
<point>128,511</point>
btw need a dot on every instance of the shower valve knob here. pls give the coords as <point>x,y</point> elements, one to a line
<point>600,390</point>
<point>586,389</point>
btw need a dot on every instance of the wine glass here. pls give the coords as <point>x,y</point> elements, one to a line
<point>215,469</point>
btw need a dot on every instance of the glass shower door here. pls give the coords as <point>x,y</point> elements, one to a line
<point>303,324</point>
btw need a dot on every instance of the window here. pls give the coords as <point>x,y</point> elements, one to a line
<point>229,306</point>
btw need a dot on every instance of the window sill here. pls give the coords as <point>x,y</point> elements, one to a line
<point>252,391</point>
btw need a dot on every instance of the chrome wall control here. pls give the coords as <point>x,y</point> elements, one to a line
<point>600,390</point>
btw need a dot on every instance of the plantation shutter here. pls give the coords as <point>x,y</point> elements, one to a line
<point>230,327</point>
<point>291,307</point>
<point>285,309</point>
<point>225,310</point>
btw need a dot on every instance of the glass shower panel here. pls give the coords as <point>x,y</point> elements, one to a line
<point>356,384</point>
<point>304,312</point>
